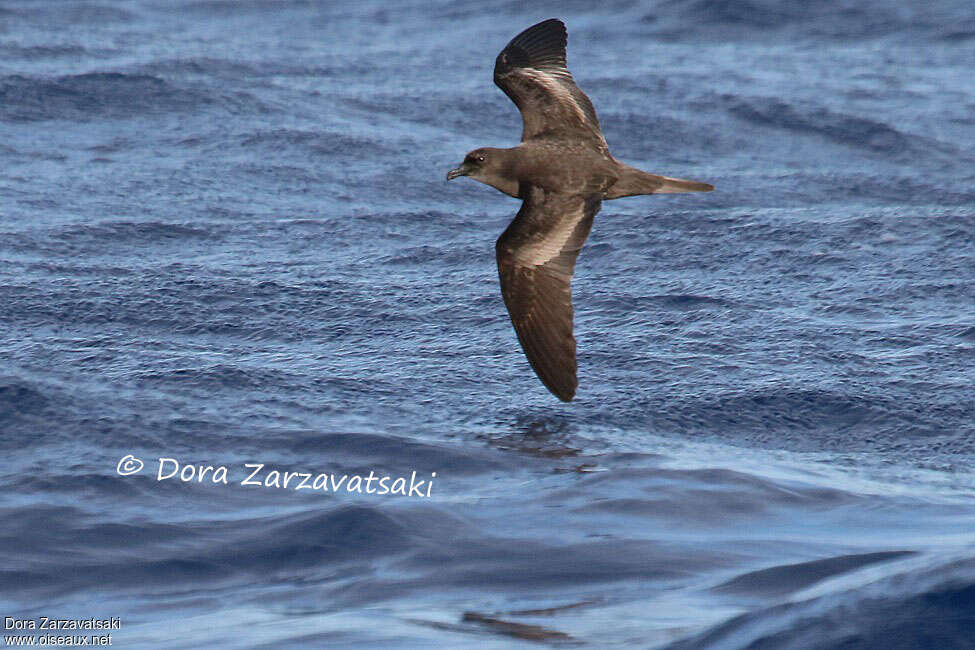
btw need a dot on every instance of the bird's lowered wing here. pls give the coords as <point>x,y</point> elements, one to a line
<point>531,70</point>
<point>536,258</point>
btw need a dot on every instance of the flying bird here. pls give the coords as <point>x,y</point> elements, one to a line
<point>562,171</point>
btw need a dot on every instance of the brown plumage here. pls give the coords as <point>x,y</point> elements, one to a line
<point>562,171</point>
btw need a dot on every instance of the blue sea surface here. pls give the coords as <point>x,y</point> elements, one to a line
<point>226,240</point>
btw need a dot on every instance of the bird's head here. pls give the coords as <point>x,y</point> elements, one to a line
<point>478,164</point>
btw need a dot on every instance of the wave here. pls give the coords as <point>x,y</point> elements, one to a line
<point>788,578</point>
<point>43,52</point>
<point>845,129</point>
<point>72,14</point>
<point>29,407</point>
<point>328,143</point>
<point>931,606</point>
<point>107,94</point>
<point>159,557</point>
<point>947,20</point>
<point>104,237</point>
<point>219,377</point>
<point>19,398</point>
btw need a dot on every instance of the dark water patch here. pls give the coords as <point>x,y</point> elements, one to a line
<point>82,97</point>
<point>27,408</point>
<point>101,237</point>
<point>402,225</point>
<point>318,143</point>
<point>70,528</point>
<point>686,301</point>
<point>109,95</point>
<point>543,439</point>
<point>450,255</point>
<point>149,576</point>
<point>36,518</point>
<point>309,540</point>
<point>376,451</point>
<point>500,564</point>
<point>336,639</point>
<point>415,255</point>
<point>222,68</point>
<point>70,14</point>
<point>184,299</point>
<point>63,268</point>
<point>769,19</point>
<point>218,377</point>
<point>18,398</point>
<point>793,409</point>
<point>16,155</point>
<point>885,188</point>
<point>296,178</point>
<point>931,607</point>
<point>199,67</point>
<point>72,486</point>
<point>958,35</point>
<point>114,145</point>
<point>442,111</point>
<point>857,417</point>
<point>663,139</point>
<point>863,310</point>
<point>698,496</point>
<point>292,547</point>
<point>623,304</point>
<point>74,14</point>
<point>949,287</point>
<point>235,7</point>
<point>42,52</point>
<point>748,13</point>
<point>111,233</point>
<point>785,579</point>
<point>845,129</point>
<point>555,7</point>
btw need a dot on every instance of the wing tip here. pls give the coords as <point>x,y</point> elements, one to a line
<point>541,45</point>
<point>565,396</point>
<point>545,29</point>
<point>561,382</point>
<point>562,387</point>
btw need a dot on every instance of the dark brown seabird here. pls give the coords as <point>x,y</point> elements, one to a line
<point>562,171</point>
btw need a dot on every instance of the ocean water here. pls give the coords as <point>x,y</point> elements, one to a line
<point>226,240</point>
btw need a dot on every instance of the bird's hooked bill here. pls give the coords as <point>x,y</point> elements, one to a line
<point>454,173</point>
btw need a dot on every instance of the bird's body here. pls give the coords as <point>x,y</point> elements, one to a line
<point>579,168</point>
<point>562,171</point>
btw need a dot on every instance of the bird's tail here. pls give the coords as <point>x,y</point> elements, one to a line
<point>634,181</point>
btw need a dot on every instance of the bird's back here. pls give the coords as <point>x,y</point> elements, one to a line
<point>562,163</point>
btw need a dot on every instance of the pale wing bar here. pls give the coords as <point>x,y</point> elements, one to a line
<point>536,259</point>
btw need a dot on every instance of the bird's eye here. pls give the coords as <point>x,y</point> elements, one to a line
<point>480,159</point>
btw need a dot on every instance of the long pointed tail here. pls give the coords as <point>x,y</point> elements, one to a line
<point>634,181</point>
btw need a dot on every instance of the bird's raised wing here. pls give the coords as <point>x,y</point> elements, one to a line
<point>531,71</point>
<point>536,258</point>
